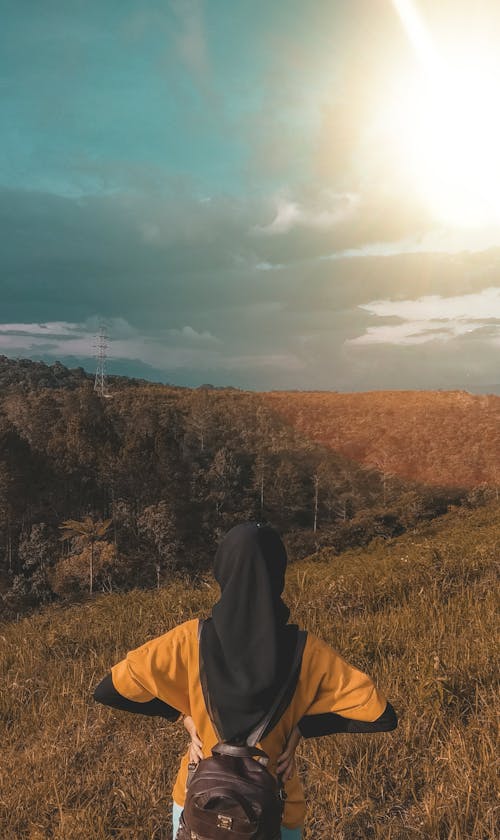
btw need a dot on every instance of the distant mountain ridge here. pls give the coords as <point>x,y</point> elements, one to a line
<point>34,373</point>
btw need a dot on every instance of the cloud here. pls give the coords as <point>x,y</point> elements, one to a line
<point>483,304</point>
<point>191,47</point>
<point>191,41</point>
<point>164,351</point>
<point>291,214</point>
<point>158,351</point>
<point>433,317</point>
<point>123,340</point>
<point>442,240</point>
<point>412,332</point>
<point>266,266</point>
<point>55,328</point>
<point>204,300</point>
<point>191,334</point>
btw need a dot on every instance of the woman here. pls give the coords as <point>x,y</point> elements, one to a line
<point>245,651</point>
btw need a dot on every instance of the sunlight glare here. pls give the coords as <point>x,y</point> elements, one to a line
<point>446,127</point>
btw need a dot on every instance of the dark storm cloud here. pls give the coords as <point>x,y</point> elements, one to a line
<point>180,252</point>
<point>188,285</point>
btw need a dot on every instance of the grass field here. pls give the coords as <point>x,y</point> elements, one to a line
<point>419,613</point>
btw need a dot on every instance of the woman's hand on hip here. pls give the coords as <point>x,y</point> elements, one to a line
<point>196,745</point>
<point>286,761</point>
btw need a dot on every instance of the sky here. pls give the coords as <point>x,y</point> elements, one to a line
<point>279,195</point>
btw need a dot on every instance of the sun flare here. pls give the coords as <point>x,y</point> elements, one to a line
<point>445,125</point>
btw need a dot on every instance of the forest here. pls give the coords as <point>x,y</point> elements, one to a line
<point>446,438</point>
<point>105,495</point>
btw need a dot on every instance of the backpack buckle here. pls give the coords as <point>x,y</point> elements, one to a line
<point>223,821</point>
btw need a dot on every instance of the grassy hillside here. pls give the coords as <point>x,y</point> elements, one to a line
<point>417,612</point>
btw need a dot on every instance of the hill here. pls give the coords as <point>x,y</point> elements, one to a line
<point>417,612</point>
<point>173,469</point>
<point>438,438</point>
<point>446,438</point>
<point>24,375</point>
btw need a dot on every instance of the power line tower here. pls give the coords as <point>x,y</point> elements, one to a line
<point>101,354</point>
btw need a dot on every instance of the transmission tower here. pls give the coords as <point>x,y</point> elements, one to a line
<point>101,354</point>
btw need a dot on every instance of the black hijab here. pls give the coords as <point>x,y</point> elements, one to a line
<point>246,646</point>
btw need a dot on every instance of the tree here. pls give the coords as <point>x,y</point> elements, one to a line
<point>288,494</point>
<point>259,479</point>
<point>70,574</point>
<point>36,554</point>
<point>382,461</point>
<point>316,489</point>
<point>88,531</point>
<point>222,479</point>
<point>158,524</point>
<point>200,417</point>
<point>320,478</point>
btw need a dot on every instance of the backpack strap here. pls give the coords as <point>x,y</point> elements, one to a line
<point>240,752</point>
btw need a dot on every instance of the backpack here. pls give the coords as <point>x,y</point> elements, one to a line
<point>232,795</point>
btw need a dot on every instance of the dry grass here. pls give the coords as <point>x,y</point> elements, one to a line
<point>417,612</point>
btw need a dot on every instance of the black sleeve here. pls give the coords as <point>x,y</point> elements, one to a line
<point>312,726</point>
<point>106,693</point>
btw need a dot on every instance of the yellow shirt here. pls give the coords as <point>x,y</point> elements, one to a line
<point>168,667</point>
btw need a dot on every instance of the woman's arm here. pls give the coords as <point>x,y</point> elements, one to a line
<point>106,693</point>
<point>313,726</point>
